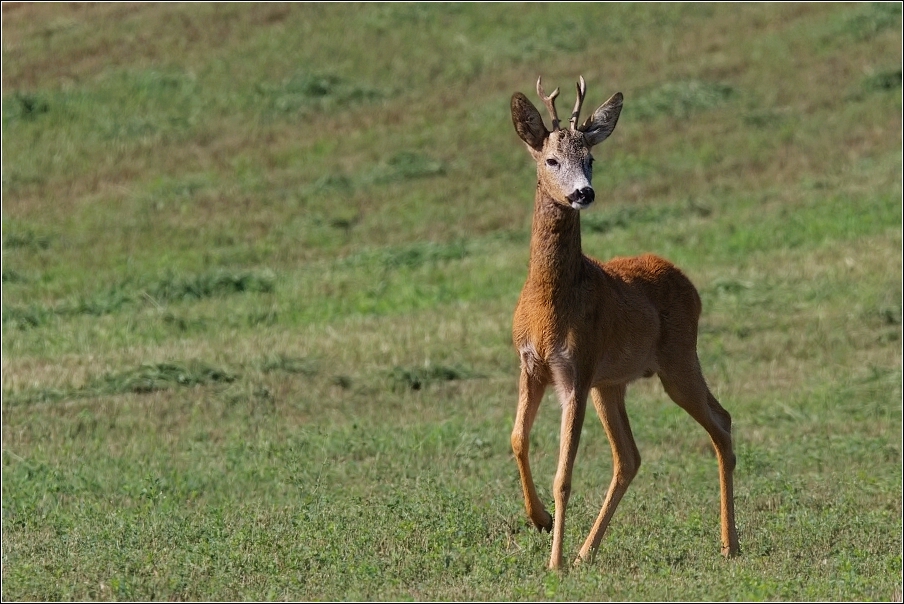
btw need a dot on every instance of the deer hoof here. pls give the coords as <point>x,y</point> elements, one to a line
<point>544,523</point>
<point>583,558</point>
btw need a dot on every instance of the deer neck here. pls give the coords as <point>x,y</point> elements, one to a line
<point>555,248</point>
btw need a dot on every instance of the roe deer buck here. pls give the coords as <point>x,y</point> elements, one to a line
<point>589,327</point>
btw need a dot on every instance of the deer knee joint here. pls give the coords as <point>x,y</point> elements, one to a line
<point>562,489</point>
<point>626,470</point>
<point>729,460</point>
<point>519,443</point>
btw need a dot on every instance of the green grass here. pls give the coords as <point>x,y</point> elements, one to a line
<point>259,266</point>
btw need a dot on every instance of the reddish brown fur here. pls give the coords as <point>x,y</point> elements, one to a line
<point>588,327</point>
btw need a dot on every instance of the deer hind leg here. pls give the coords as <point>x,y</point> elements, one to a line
<point>686,386</point>
<point>530,394</point>
<point>610,406</point>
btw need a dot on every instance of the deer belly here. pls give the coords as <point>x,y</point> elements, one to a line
<point>623,364</point>
<point>622,371</point>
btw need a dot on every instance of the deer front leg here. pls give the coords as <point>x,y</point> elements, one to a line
<point>610,406</point>
<point>574,404</point>
<point>529,396</point>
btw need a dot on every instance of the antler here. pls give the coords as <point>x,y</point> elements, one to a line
<point>550,102</point>
<point>582,90</point>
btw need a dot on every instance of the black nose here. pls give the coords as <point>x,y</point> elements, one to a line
<point>582,196</point>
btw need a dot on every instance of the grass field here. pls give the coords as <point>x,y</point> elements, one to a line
<point>260,263</point>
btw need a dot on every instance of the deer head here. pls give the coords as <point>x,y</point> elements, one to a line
<point>564,162</point>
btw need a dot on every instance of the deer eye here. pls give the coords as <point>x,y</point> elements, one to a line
<point>552,163</point>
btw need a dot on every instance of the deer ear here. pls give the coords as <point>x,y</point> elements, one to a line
<point>528,123</point>
<point>601,124</point>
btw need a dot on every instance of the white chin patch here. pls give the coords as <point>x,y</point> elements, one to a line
<point>580,206</point>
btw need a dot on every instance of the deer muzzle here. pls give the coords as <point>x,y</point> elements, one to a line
<point>581,198</point>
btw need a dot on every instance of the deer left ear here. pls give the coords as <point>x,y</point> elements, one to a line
<point>600,125</point>
<point>528,123</point>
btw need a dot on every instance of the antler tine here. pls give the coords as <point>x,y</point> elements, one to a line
<point>550,102</point>
<point>582,90</point>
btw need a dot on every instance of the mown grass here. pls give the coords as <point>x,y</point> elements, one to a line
<point>259,264</point>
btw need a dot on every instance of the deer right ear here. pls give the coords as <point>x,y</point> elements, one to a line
<point>528,123</point>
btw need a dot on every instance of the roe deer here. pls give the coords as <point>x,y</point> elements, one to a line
<point>589,327</point>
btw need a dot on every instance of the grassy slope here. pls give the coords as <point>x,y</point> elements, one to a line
<point>259,264</point>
